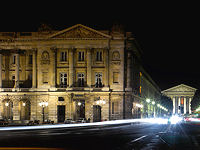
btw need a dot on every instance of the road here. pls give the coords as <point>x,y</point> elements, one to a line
<point>135,136</point>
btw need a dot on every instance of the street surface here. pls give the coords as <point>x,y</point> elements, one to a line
<point>135,136</point>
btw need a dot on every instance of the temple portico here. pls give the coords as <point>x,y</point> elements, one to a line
<point>181,96</point>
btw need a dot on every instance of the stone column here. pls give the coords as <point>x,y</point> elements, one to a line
<point>179,104</point>
<point>17,71</point>
<point>0,70</point>
<point>107,67</point>
<point>128,82</point>
<point>34,71</point>
<point>89,70</point>
<point>174,105</point>
<point>190,99</point>
<point>54,62</point>
<point>16,114</point>
<point>185,111</point>
<point>71,67</point>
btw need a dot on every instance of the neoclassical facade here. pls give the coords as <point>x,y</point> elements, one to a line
<point>74,73</point>
<point>181,96</point>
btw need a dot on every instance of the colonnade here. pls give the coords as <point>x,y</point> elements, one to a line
<point>182,105</point>
<point>17,68</point>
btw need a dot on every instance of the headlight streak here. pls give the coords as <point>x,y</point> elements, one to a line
<point>146,120</point>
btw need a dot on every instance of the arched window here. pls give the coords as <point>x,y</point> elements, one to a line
<point>25,109</point>
<point>7,109</point>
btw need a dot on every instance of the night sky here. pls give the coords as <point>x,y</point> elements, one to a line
<point>168,33</point>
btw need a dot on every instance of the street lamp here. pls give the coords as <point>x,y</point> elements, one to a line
<point>99,102</point>
<point>43,104</point>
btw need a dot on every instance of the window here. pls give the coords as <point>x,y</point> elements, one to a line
<point>45,77</point>
<point>30,60</point>
<point>63,56</point>
<point>14,59</point>
<point>30,77</point>
<point>61,99</point>
<point>98,80</point>
<point>80,79</point>
<point>80,56</point>
<point>115,77</point>
<point>63,80</point>
<point>99,56</point>
<point>13,78</point>
<point>115,107</point>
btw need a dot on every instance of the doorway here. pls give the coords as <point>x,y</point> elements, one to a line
<point>80,109</point>
<point>61,113</point>
<point>96,113</point>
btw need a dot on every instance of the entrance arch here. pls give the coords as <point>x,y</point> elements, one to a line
<point>7,109</point>
<point>25,109</point>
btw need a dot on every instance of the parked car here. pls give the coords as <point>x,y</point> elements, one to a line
<point>3,122</point>
<point>81,120</point>
<point>48,122</point>
<point>35,122</point>
<point>69,121</point>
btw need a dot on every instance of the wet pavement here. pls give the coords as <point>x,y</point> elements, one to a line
<point>135,136</point>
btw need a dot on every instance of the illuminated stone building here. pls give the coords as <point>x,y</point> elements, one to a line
<point>77,72</point>
<point>181,96</point>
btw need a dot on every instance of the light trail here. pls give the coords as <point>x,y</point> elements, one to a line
<point>115,122</point>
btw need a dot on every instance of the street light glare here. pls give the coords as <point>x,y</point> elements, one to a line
<point>148,100</point>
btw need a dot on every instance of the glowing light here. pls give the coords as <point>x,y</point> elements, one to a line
<point>139,105</point>
<point>100,102</point>
<point>175,119</point>
<point>153,102</point>
<point>79,103</point>
<point>147,120</point>
<point>23,104</point>
<point>158,105</point>
<point>6,104</point>
<point>43,104</point>
<point>148,100</point>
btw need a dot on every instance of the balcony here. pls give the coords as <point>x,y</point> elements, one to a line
<point>22,84</point>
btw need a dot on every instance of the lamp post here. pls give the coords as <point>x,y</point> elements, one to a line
<point>43,105</point>
<point>148,106</point>
<point>153,105</point>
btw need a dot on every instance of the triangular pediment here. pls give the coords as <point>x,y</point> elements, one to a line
<point>180,88</point>
<point>79,32</point>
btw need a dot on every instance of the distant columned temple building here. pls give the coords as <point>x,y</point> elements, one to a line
<point>181,96</point>
<point>74,73</point>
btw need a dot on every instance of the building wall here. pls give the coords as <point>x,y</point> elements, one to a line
<point>40,67</point>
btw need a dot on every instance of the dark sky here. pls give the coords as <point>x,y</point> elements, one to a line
<point>167,32</point>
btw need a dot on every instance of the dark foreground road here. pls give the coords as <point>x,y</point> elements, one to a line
<point>141,136</point>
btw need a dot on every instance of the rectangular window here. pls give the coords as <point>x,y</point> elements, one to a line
<point>63,80</point>
<point>13,78</point>
<point>45,77</point>
<point>99,56</point>
<point>14,59</point>
<point>98,80</point>
<point>30,60</point>
<point>63,56</point>
<point>81,56</point>
<point>61,99</point>
<point>115,77</point>
<point>81,79</point>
